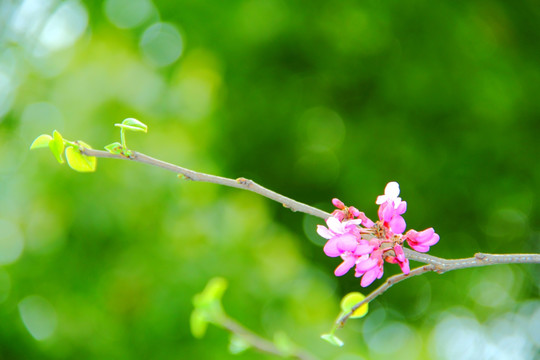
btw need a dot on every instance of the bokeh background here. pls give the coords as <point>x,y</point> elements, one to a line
<point>314,100</point>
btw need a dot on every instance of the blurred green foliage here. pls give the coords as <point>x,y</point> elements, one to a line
<point>312,99</point>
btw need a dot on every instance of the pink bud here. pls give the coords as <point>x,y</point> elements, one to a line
<point>354,212</point>
<point>338,203</point>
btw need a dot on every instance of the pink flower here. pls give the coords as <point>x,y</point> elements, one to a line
<point>391,208</point>
<point>362,251</point>
<point>391,216</point>
<point>399,259</point>
<point>366,245</point>
<point>349,260</point>
<point>342,236</point>
<point>370,268</point>
<point>421,241</point>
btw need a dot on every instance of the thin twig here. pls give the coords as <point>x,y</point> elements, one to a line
<point>435,263</point>
<point>440,266</point>
<point>261,343</point>
<point>246,184</point>
<point>240,183</point>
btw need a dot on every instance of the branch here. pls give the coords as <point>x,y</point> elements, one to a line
<point>260,343</point>
<point>246,184</point>
<point>435,263</point>
<point>240,183</point>
<point>440,266</point>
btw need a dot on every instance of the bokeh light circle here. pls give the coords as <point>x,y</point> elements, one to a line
<point>162,44</point>
<point>127,14</point>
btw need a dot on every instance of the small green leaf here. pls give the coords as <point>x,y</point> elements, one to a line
<point>80,162</point>
<point>213,292</point>
<point>238,344</point>
<point>133,125</point>
<point>57,146</point>
<point>115,148</point>
<point>41,141</point>
<point>208,302</point>
<point>332,339</point>
<point>351,299</point>
<point>198,323</point>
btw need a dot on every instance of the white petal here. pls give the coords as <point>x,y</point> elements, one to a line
<point>324,232</point>
<point>334,225</point>
<point>392,190</point>
<point>381,199</point>
<point>350,222</point>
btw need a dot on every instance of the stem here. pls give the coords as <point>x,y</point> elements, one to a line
<point>122,138</point>
<point>261,343</point>
<point>444,265</point>
<point>435,263</point>
<point>240,183</point>
<point>72,143</point>
<point>293,205</point>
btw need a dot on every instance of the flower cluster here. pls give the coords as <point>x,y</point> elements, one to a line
<point>365,244</point>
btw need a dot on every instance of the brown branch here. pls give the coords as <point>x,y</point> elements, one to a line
<point>435,263</point>
<point>240,183</point>
<point>245,184</point>
<point>440,266</point>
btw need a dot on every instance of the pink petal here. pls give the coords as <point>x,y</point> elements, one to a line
<point>354,211</point>
<point>338,214</point>
<point>338,203</point>
<point>400,255</point>
<point>434,239</point>
<point>386,212</point>
<point>425,235</point>
<point>405,266</point>
<point>346,242</point>
<point>365,220</point>
<point>369,277</point>
<point>402,208</point>
<point>420,248</point>
<point>330,248</point>
<point>366,265</point>
<point>363,249</point>
<point>411,235</point>
<point>345,266</point>
<point>324,232</point>
<point>397,224</point>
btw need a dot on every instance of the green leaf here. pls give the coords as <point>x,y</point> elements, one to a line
<point>350,300</point>
<point>208,302</point>
<point>332,339</point>
<point>213,292</point>
<point>237,344</point>
<point>133,125</point>
<point>198,323</point>
<point>115,148</point>
<point>41,141</point>
<point>80,162</point>
<point>57,146</point>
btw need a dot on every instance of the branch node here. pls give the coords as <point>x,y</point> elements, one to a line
<point>244,181</point>
<point>480,256</point>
